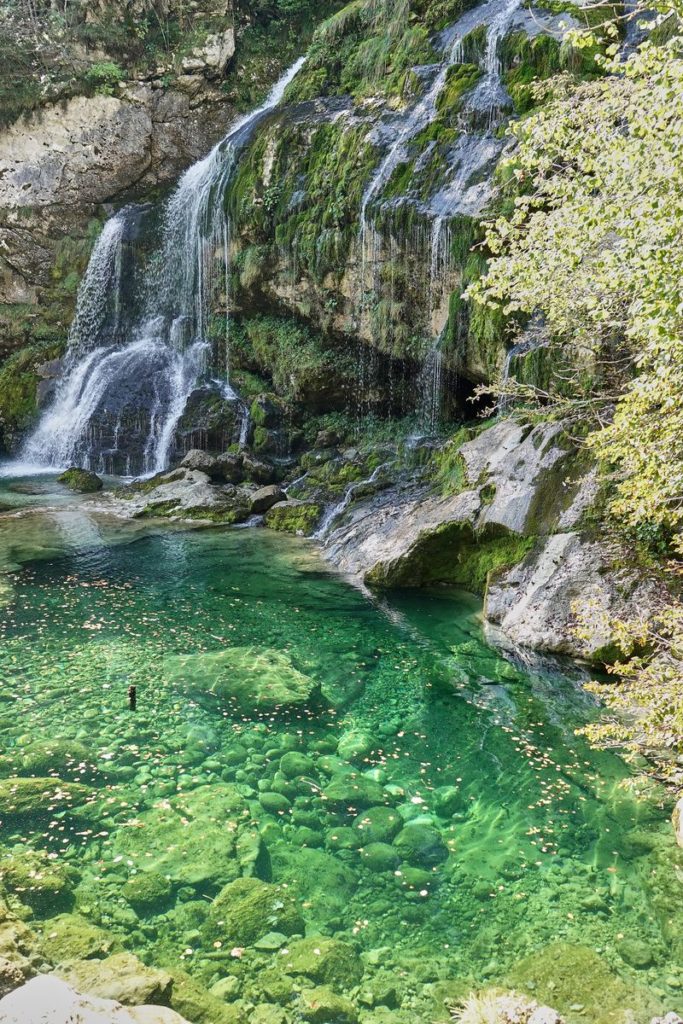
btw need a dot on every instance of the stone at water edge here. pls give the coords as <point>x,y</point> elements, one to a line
<point>265,498</point>
<point>48,1000</point>
<point>121,977</point>
<point>200,461</point>
<point>80,480</point>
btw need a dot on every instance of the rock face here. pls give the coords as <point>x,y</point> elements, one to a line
<point>561,598</point>
<point>48,1000</point>
<point>512,531</point>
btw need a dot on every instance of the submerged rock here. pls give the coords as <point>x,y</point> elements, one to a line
<point>72,937</point>
<point>255,680</point>
<point>80,480</point>
<point>321,1005</point>
<point>324,960</point>
<point>38,881</point>
<point>39,797</point>
<point>421,845</point>
<point>247,909</point>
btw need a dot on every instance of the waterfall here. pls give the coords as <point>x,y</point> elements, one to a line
<point>125,387</point>
<point>466,189</point>
<point>533,338</point>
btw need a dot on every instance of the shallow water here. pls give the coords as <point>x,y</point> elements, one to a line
<point>538,838</point>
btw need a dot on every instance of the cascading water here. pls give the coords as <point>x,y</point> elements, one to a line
<point>466,188</point>
<point>125,385</point>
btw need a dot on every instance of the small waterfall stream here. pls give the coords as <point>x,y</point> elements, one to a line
<point>466,189</point>
<point>125,384</point>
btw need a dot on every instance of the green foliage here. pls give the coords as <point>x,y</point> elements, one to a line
<point>449,466</point>
<point>646,697</point>
<point>104,76</point>
<point>368,47</point>
<point>302,365</point>
<point>595,243</point>
<point>18,384</point>
<point>294,518</point>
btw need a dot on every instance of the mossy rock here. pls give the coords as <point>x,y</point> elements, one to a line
<point>421,845</point>
<point>147,891</point>
<point>297,517</point>
<point>80,480</point>
<point>322,881</point>
<point>122,977</point>
<point>190,999</point>
<point>39,797</point>
<point>377,825</point>
<point>253,679</point>
<point>353,790</point>
<point>72,937</point>
<point>44,884</point>
<point>247,909</point>
<point>324,960</point>
<point>66,758</point>
<point>565,975</point>
<point>321,1005</point>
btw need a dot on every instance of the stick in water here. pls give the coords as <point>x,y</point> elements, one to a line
<point>133,698</point>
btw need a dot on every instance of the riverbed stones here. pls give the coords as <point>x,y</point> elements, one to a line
<point>325,960</point>
<point>321,1005</point>
<point>147,892</point>
<point>293,764</point>
<point>39,797</point>
<point>355,745</point>
<point>121,977</point>
<point>247,909</point>
<point>353,790</point>
<point>252,679</point>
<point>380,857</point>
<point>421,845</point>
<point>447,801</point>
<point>636,953</point>
<point>39,881</point>
<point>377,825</point>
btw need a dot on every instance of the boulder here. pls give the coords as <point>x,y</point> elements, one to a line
<point>327,961</point>
<point>201,461</point>
<point>80,480</point>
<point>49,1000</point>
<point>258,470</point>
<point>353,790</point>
<point>187,851</point>
<point>72,937</point>
<point>38,798</point>
<point>265,498</point>
<point>321,1005</point>
<point>377,825</point>
<point>297,517</point>
<point>421,845</point>
<point>121,977</point>
<point>254,680</point>
<point>39,882</point>
<point>214,54</point>
<point>247,909</point>
<point>229,467</point>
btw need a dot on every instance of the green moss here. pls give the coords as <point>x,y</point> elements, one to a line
<point>80,480</point>
<point>298,518</point>
<point>453,553</point>
<point>18,389</point>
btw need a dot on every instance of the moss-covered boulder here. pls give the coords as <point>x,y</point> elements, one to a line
<point>200,1006</point>
<point>37,798</point>
<point>186,851</point>
<point>567,975</point>
<point>65,758</point>
<point>377,825</point>
<point>353,790</point>
<point>297,517</point>
<point>147,892</point>
<point>252,679</point>
<point>80,480</point>
<point>38,881</point>
<point>72,937</point>
<point>321,1005</point>
<point>247,909</point>
<point>421,845</point>
<point>327,961</point>
<point>324,883</point>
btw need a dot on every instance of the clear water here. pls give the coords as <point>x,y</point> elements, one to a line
<point>545,839</point>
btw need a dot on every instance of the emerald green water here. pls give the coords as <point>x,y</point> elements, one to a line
<point>537,840</point>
